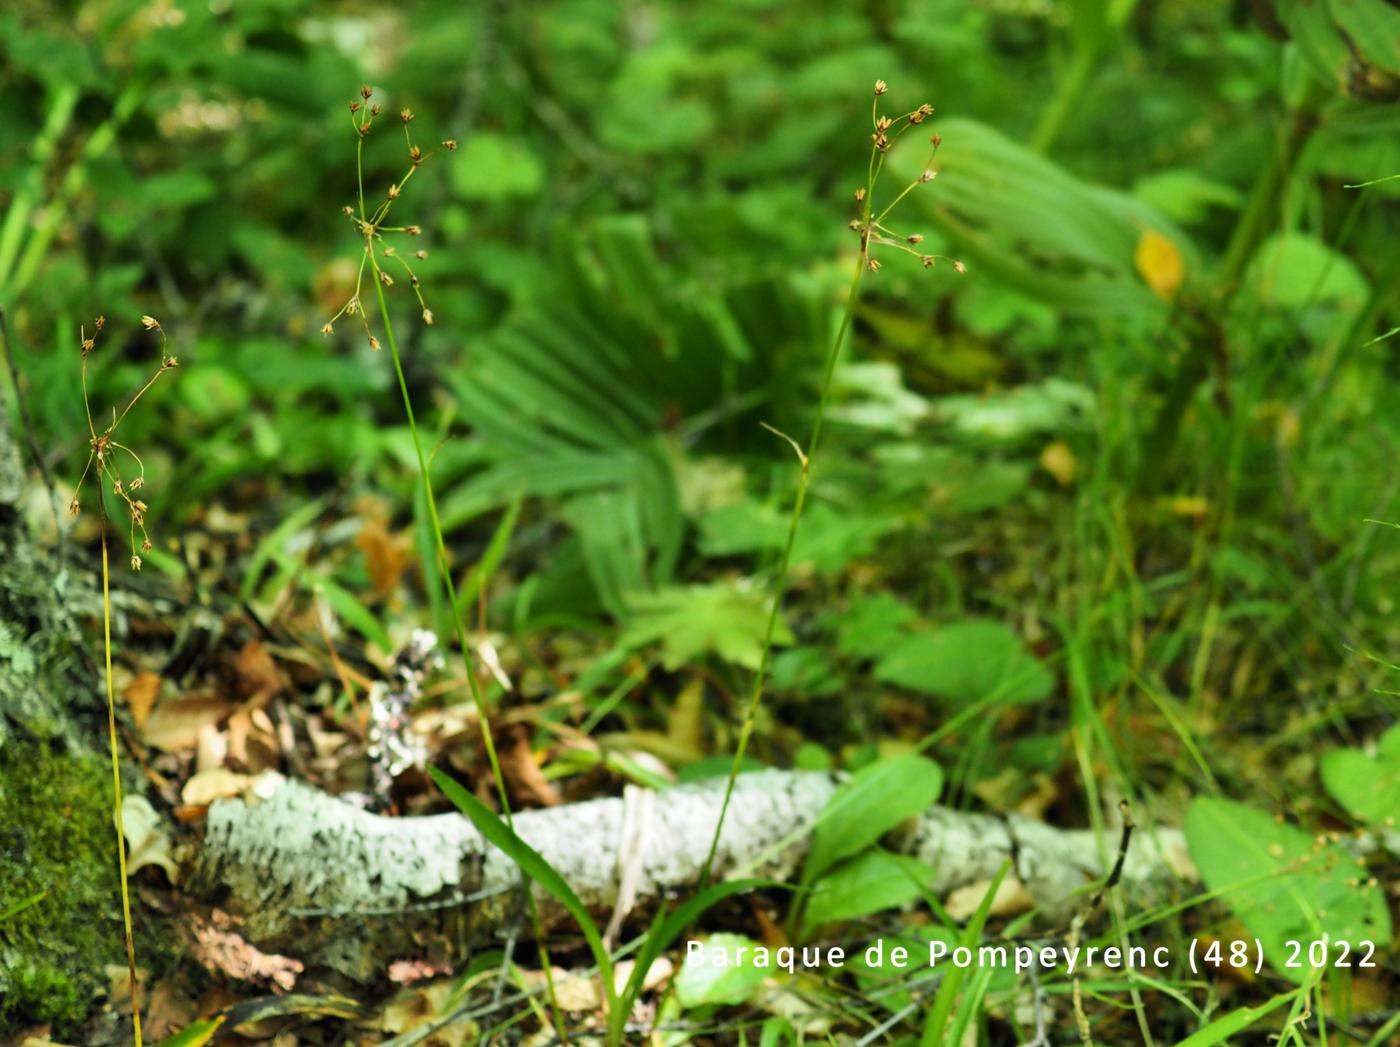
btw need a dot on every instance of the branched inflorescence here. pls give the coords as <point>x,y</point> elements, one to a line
<point>370,224</point>
<point>871,224</point>
<point>105,452</point>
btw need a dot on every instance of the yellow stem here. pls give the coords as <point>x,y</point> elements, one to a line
<point>117,789</point>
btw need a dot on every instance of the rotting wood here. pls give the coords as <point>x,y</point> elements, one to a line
<point>349,890</point>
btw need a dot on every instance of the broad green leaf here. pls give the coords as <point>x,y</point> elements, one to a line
<point>665,928</point>
<point>1053,406</point>
<point>1367,786</point>
<point>871,882</point>
<point>1280,883</point>
<point>1031,225</point>
<point>724,974</point>
<point>869,804</point>
<point>967,661</point>
<point>871,624</point>
<point>1373,27</point>
<point>495,167</point>
<point>1295,271</point>
<point>1185,195</point>
<point>696,620</point>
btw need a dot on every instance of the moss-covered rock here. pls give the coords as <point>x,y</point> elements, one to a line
<point>58,869</point>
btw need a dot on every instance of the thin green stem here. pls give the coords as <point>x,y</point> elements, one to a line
<point>117,787</point>
<point>780,585</point>
<point>459,628</point>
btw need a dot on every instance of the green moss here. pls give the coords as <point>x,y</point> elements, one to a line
<point>56,837</point>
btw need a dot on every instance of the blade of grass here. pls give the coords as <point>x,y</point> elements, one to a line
<point>951,986</point>
<point>536,867</point>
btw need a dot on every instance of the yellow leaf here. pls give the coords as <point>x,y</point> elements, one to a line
<point>1059,461</point>
<point>1159,264</point>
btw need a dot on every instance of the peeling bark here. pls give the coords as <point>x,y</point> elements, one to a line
<point>349,890</point>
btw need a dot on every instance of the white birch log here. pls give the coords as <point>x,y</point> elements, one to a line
<point>349,890</point>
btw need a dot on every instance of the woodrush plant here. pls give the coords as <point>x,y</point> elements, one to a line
<point>873,232</point>
<point>371,225</point>
<point>105,453</point>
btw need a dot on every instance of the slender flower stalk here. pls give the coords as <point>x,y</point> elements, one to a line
<point>873,233</point>
<point>103,464</point>
<point>371,224</point>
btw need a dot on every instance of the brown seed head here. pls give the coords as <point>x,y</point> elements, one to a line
<point>406,115</point>
<point>881,87</point>
<point>916,238</point>
<point>366,91</point>
<point>374,343</point>
<point>936,139</point>
<point>326,328</point>
<point>145,545</point>
<point>860,195</point>
<point>929,175</point>
<point>420,254</point>
<point>150,323</point>
<point>375,109</point>
<point>386,279</point>
<point>100,322</point>
<point>73,507</point>
<point>354,107</point>
<point>450,145</point>
<point>412,230</point>
<point>872,265</point>
<point>393,192</point>
<point>415,154</point>
<point>928,261</point>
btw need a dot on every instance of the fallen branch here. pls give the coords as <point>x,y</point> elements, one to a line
<point>349,890</point>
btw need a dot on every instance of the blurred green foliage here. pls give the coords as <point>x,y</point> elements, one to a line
<point>1109,487</point>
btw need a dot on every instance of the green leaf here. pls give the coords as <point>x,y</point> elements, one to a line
<point>1031,225</point>
<point>869,804</point>
<point>1185,195</point>
<point>360,617</point>
<point>1280,884</point>
<point>696,620</point>
<point>967,661</point>
<point>726,975</point>
<point>1296,271</point>
<point>494,167</point>
<point>1367,786</point>
<point>1373,27</point>
<point>1220,1030</point>
<point>195,1035</point>
<point>871,624</point>
<point>534,866</point>
<point>1053,406</point>
<point>870,882</point>
<point>936,1026</point>
<point>664,930</point>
